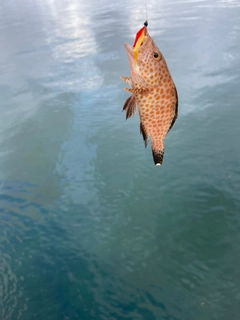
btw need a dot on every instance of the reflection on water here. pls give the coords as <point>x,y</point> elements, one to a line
<point>89,228</point>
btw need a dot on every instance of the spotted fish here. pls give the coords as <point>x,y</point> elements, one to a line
<point>153,92</point>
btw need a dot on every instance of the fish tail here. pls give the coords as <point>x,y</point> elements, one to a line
<point>158,153</point>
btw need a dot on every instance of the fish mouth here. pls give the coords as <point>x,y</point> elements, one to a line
<point>131,50</point>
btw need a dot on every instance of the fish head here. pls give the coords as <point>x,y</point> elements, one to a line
<point>146,61</point>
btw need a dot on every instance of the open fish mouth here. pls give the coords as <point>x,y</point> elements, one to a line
<point>140,40</point>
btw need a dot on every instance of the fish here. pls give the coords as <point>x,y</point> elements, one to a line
<point>153,92</point>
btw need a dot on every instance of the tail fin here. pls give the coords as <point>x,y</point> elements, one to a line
<point>158,156</point>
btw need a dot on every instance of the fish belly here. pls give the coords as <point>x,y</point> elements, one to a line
<point>156,118</point>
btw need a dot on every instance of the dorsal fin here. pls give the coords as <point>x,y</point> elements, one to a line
<point>176,111</point>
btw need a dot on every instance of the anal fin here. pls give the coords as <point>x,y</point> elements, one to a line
<point>144,134</point>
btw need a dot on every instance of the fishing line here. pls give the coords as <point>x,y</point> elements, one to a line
<point>146,22</point>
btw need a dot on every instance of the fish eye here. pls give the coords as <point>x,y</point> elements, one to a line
<point>156,56</point>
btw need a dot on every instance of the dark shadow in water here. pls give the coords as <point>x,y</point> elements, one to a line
<point>46,273</point>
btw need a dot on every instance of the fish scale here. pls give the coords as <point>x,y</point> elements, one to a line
<point>153,93</point>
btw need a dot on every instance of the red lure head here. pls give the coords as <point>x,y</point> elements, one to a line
<point>138,35</point>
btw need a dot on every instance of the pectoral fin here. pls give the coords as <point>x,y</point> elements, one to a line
<point>130,107</point>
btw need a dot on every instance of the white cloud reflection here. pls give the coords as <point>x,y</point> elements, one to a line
<point>69,28</point>
<point>72,41</point>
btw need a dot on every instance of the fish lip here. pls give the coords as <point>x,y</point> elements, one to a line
<point>129,50</point>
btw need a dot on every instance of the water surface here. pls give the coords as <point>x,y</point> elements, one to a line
<point>90,228</point>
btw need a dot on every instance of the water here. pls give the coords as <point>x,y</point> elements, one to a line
<point>90,228</point>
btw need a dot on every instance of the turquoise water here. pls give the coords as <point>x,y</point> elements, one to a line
<point>89,227</point>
